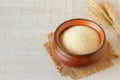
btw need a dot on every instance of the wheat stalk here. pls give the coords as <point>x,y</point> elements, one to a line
<point>98,17</point>
<point>109,8</point>
<point>101,10</point>
<point>111,13</point>
<point>105,15</point>
<point>116,28</point>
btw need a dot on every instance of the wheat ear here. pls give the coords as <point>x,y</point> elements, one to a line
<point>105,15</point>
<point>100,10</point>
<point>98,17</point>
<point>109,8</point>
<point>101,20</point>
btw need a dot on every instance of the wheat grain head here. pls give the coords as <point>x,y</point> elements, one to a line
<point>100,10</point>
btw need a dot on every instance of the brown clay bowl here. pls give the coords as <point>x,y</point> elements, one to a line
<point>74,60</point>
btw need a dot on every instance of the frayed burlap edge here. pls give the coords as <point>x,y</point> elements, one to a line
<point>77,73</point>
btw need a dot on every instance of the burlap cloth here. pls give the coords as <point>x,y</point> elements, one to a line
<point>77,73</point>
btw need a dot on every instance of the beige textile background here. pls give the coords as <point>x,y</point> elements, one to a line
<point>23,28</point>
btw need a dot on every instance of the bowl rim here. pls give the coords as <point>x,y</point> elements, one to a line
<point>77,55</point>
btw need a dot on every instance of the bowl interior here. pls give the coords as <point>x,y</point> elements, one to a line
<point>77,22</point>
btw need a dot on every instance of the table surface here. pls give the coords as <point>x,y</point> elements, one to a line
<point>23,28</point>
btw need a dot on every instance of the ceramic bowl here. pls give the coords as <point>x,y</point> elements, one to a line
<point>74,60</point>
